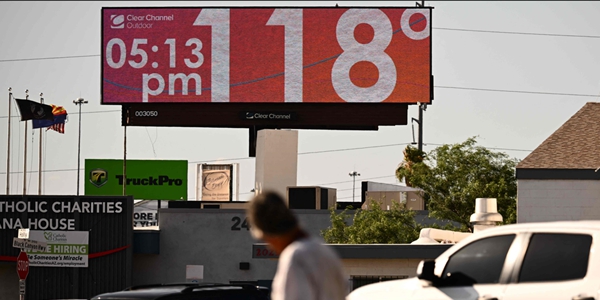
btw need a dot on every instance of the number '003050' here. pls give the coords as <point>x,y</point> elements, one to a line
<point>291,19</point>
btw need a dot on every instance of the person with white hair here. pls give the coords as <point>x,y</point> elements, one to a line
<point>307,269</point>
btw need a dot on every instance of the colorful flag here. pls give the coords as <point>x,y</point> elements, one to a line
<point>58,121</point>
<point>60,127</point>
<point>31,110</point>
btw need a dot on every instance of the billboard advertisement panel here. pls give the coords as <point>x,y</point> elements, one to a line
<point>145,179</point>
<point>65,249</point>
<point>266,55</point>
<point>217,183</point>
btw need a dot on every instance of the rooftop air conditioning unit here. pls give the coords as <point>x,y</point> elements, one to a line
<point>311,197</point>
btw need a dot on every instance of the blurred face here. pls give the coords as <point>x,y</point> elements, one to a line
<point>276,243</point>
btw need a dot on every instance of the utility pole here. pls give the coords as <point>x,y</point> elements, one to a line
<point>79,102</point>
<point>353,175</point>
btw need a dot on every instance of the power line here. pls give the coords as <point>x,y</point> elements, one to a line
<point>75,113</point>
<point>358,148</point>
<point>435,86</point>
<point>48,58</point>
<point>301,153</point>
<point>347,181</point>
<point>520,33</point>
<point>514,91</point>
<point>493,148</point>
<point>436,28</point>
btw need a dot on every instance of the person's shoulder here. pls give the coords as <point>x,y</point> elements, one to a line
<point>307,246</point>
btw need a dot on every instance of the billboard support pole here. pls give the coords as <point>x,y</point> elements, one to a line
<point>421,109</point>
<point>8,148</point>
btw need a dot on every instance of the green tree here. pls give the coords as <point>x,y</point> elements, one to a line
<point>453,176</point>
<point>373,226</point>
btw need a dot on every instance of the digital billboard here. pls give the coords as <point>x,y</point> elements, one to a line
<point>299,56</point>
<point>145,179</point>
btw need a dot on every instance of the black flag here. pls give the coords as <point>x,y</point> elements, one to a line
<point>31,110</point>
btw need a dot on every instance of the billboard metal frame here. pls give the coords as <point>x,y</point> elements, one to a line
<point>328,115</point>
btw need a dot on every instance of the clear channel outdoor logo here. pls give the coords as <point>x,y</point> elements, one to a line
<point>98,177</point>
<point>117,21</point>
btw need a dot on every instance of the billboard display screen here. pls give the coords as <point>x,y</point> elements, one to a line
<point>145,179</point>
<point>266,55</point>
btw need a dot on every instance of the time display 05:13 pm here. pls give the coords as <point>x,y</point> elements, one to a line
<point>141,54</point>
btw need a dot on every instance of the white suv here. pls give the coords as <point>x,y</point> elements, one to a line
<point>553,260</point>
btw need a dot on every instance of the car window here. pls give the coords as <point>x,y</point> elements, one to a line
<point>554,257</point>
<point>480,261</point>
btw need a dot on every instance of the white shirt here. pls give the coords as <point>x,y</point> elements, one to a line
<point>309,270</point>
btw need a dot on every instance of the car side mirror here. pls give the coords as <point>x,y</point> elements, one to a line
<point>425,271</point>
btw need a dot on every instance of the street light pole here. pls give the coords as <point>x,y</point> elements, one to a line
<point>353,175</point>
<point>8,145</point>
<point>79,102</point>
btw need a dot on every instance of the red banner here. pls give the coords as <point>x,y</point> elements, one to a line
<point>266,55</point>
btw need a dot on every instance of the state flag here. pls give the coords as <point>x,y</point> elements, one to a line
<point>31,110</point>
<point>56,124</point>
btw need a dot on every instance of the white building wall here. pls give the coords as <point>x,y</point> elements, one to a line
<point>276,160</point>
<point>554,200</point>
<point>387,187</point>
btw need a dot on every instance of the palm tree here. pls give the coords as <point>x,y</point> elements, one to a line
<point>412,156</point>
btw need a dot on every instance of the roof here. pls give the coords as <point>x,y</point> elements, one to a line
<point>575,145</point>
<point>553,225</point>
<point>388,187</point>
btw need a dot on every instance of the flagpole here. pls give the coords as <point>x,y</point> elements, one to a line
<point>8,148</point>
<point>40,160</point>
<point>25,153</point>
<point>126,112</point>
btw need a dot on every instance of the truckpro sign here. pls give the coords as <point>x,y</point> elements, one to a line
<point>266,55</point>
<point>145,179</point>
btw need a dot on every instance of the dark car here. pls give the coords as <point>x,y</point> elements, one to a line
<point>189,291</point>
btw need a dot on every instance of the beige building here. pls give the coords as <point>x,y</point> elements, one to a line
<point>560,179</point>
<point>411,197</point>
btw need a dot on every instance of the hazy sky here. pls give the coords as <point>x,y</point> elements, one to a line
<point>552,52</point>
